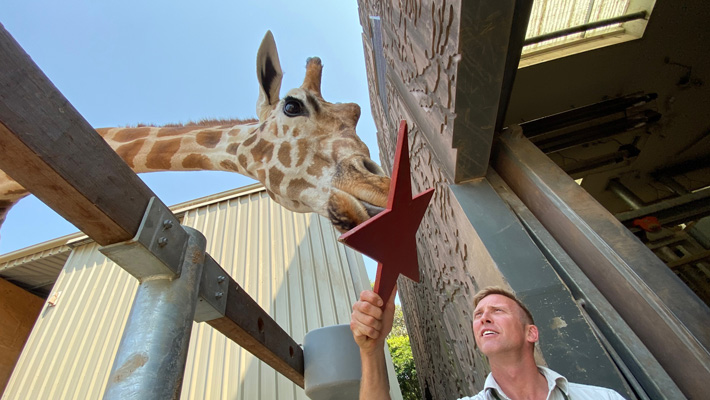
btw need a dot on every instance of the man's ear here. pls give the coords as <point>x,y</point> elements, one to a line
<point>531,333</point>
<point>268,71</point>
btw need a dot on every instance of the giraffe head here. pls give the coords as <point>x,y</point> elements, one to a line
<point>305,149</point>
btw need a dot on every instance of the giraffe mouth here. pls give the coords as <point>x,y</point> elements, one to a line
<point>360,192</point>
<point>371,209</point>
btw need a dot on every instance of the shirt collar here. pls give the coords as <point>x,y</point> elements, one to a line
<point>552,377</point>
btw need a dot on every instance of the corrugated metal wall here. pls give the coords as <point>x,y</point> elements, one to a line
<point>291,264</point>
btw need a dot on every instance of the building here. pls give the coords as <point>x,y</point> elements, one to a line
<point>503,140</point>
<point>290,263</point>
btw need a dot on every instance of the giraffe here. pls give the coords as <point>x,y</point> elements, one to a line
<point>303,149</point>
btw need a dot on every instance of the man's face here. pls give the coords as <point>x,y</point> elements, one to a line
<point>498,326</point>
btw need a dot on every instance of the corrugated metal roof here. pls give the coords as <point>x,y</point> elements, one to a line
<point>36,270</point>
<point>291,264</point>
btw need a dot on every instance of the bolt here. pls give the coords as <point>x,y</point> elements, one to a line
<point>218,295</point>
<point>163,241</point>
<point>167,224</point>
<point>220,279</point>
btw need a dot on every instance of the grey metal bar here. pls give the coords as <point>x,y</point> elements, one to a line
<point>673,211</point>
<point>151,357</point>
<point>625,194</point>
<point>631,356</point>
<point>585,113</point>
<point>585,27</point>
<point>665,314</point>
<point>523,267</point>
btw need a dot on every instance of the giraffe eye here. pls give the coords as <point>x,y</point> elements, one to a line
<point>293,107</point>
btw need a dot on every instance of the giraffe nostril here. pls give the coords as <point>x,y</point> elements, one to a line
<point>371,167</point>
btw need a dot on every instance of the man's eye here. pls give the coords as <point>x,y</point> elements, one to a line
<point>293,108</point>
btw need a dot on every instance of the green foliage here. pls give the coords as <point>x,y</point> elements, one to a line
<point>398,327</point>
<point>401,351</point>
<point>403,362</point>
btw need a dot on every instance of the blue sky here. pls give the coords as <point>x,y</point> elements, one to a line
<point>128,62</point>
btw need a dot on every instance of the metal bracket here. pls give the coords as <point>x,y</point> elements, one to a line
<point>212,302</point>
<point>157,248</point>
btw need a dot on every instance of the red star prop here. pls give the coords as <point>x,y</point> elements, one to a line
<point>390,236</point>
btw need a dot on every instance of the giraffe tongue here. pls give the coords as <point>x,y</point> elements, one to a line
<point>371,209</point>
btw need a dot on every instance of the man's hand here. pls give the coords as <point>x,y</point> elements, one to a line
<point>370,323</point>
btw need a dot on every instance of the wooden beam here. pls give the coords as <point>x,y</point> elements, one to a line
<point>490,44</point>
<point>251,327</point>
<point>50,149</point>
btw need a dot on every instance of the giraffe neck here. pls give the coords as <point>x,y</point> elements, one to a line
<point>188,148</point>
<point>185,148</point>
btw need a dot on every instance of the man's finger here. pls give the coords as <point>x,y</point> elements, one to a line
<point>371,297</point>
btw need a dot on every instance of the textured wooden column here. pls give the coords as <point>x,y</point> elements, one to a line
<point>18,311</point>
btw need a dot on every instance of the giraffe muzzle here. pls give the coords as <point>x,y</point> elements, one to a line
<point>362,193</point>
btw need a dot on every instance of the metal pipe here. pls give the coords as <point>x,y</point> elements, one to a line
<point>673,185</point>
<point>585,27</point>
<point>625,194</point>
<point>578,115</point>
<point>151,357</point>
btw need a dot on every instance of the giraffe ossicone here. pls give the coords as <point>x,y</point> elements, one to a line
<point>302,148</point>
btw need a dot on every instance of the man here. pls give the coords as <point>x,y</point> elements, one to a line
<point>505,332</point>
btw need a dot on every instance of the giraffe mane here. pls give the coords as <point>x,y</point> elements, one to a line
<point>207,122</point>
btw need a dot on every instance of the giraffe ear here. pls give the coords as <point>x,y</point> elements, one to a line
<point>268,71</point>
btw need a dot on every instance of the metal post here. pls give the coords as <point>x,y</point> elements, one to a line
<point>151,357</point>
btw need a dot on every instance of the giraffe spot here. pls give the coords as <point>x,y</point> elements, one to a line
<point>296,187</point>
<point>316,167</point>
<point>261,175</point>
<point>249,141</point>
<point>129,151</point>
<point>275,129</point>
<point>235,132</point>
<point>232,148</point>
<point>229,166</point>
<point>161,153</point>
<point>302,146</point>
<point>208,139</point>
<point>262,127</point>
<point>284,154</point>
<point>285,129</point>
<point>242,161</point>
<point>296,132</point>
<point>130,134</point>
<point>263,151</point>
<point>197,161</point>
<point>275,179</point>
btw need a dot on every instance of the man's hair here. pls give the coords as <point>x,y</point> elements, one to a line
<point>500,291</point>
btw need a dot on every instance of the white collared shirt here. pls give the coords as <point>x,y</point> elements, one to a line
<point>558,388</point>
